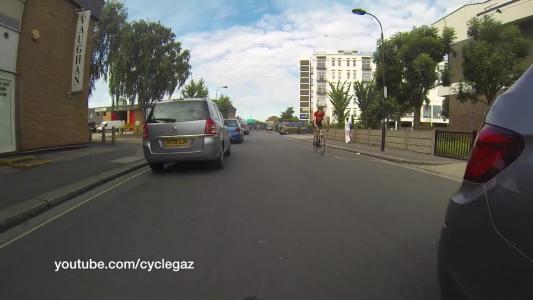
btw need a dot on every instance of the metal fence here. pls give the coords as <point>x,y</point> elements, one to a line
<point>454,144</point>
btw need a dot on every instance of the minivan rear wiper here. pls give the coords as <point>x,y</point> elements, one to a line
<point>165,120</point>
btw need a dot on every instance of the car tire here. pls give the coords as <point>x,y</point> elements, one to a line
<point>228,152</point>
<point>285,132</point>
<point>219,162</point>
<point>157,167</point>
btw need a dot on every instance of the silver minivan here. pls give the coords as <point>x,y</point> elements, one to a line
<point>185,130</point>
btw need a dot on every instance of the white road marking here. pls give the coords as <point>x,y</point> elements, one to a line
<point>71,209</point>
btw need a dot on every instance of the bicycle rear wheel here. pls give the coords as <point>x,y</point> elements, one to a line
<point>322,142</point>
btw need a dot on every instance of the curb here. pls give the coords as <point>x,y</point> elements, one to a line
<point>20,212</point>
<point>380,156</point>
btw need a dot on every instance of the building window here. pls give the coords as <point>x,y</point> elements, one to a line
<point>426,111</point>
<point>353,62</point>
<point>347,74</point>
<point>333,74</point>
<point>354,73</point>
<point>321,75</point>
<point>437,112</point>
<point>347,62</point>
<point>340,75</point>
<point>366,63</point>
<point>104,114</point>
<point>367,76</point>
<point>333,62</point>
<point>321,64</point>
<point>340,62</point>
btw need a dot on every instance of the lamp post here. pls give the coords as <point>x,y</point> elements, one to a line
<point>220,87</point>
<point>361,12</point>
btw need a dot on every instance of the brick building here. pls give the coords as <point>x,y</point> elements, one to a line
<point>44,72</point>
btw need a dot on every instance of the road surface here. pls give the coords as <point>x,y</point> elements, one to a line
<point>278,222</point>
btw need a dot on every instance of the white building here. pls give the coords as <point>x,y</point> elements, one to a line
<point>324,67</point>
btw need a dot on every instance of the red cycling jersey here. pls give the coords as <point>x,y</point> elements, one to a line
<point>319,116</point>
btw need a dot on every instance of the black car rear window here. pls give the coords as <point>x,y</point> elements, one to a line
<point>231,123</point>
<point>179,111</point>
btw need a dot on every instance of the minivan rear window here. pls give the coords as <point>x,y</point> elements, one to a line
<point>231,123</point>
<point>179,111</point>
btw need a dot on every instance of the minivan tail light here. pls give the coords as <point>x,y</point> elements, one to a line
<point>494,150</point>
<point>237,129</point>
<point>210,127</point>
<point>146,134</point>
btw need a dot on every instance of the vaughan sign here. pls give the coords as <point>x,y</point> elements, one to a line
<point>80,44</point>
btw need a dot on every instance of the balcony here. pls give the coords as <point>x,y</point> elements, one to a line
<point>321,79</point>
<point>321,66</point>
<point>321,91</point>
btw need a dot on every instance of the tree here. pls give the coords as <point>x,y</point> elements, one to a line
<point>106,39</point>
<point>287,115</point>
<point>224,104</point>
<point>493,59</point>
<point>195,90</point>
<point>411,65</point>
<point>340,99</point>
<point>151,64</point>
<point>365,95</point>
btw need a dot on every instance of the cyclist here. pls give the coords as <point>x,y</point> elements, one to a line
<point>318,117</point>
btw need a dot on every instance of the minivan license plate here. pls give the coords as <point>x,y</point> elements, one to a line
<point>171,142</point>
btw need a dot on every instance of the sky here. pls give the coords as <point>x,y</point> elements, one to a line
<point>254,47</point>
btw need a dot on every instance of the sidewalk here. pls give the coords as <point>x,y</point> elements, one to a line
<point>72,171</point>
<point>447,167</point>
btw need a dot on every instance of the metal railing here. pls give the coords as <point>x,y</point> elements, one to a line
<point>454,144</point>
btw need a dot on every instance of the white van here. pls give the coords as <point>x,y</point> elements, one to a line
<point>110,124</point>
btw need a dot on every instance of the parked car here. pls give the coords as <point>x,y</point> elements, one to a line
<point>486,244</point>
<point>290,128</point>
<point>235,130</point>
<point>108,125</point>
<point>269,127</point>
<point>185,130</point>
<point>245,128</point>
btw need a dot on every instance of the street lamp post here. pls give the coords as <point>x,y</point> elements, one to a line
<point>220,87</point>
<point>361,12</point>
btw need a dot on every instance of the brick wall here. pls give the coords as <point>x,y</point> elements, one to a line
<point>48,117</point>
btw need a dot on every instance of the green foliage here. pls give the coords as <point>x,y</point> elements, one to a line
<point>141,61</point>
<point>151,64</point>
<point>105,40</point>
<point>195,89</point>
<point>287,115</point>
<point>224,105</point>
<point>493,59</point>
<point>365,95</point>
<point>411,60</point>
<point>340,99</point>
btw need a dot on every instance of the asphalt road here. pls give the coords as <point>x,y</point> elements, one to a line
<point>278,222</point>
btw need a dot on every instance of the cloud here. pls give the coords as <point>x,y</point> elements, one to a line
<point>259,61</point>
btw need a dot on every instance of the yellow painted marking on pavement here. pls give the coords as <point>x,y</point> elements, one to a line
<point>72,208</point>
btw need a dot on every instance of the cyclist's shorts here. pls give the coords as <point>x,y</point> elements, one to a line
<point>319,124</point>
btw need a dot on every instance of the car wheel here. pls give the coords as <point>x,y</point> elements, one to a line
<point>157,167</point>
<point>285,132</point>
<point>228,152</point>
<point>219,163</point>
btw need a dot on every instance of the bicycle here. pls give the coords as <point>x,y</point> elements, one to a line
<point>319,141</point>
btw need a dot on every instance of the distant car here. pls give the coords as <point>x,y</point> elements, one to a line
<point>245,129</point>
<point>108,125</point>
<point>290,129</point>
<point>486,244</point>
<point>235,131</point>
<point>269,127</point>
<point>185,130</point>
